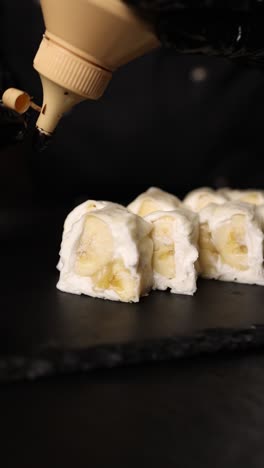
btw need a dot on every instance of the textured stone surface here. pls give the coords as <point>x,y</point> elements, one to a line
<point>62,360</point>
<point>45,332</point>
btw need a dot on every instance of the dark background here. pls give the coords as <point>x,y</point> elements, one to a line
<point>157,124</point>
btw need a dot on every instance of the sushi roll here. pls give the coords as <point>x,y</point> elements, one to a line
<point>107,254</point>
<point>175,238</point>
<point>77,213</point>
<point>200,198</point>
<point>154,199</point>
<point>80,210</point>
<point>231,243</point>
<point>253,197</point>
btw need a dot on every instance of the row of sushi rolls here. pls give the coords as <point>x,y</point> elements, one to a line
<point>158,241</point>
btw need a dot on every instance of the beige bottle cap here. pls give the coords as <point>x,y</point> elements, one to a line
<point>16,100</point>
<point>70,71</point>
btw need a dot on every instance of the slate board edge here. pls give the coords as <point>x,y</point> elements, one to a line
<point>56,361</point>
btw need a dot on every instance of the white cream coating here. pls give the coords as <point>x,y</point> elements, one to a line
<point>129,233</point>
<point>162,200</point>
<point>78,212</point>
<point>260,215</point>
<point>216,216</point>
<point>185,234</point>
<point>198,199</point>
<point>251,196</point>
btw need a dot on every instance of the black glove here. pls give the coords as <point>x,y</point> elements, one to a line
<point>169,5</point>
<point>231,28</point>
<point>12,125</point>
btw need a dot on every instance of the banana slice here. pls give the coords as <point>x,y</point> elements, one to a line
<point>231,243</point>
<point>95,248</point>
<point>76,214</point>
<point>108,254</point>
<point>253,197</point>
<point>260,216</point>
<point>154,199</point>
<point>200,198</point>
<point>208,255</point>
<point>175,237</point>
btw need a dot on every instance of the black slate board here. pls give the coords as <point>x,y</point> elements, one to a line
<point>44,331</point>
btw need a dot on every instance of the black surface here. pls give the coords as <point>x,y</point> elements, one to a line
<point>44,331</point>
<point>199,413</point>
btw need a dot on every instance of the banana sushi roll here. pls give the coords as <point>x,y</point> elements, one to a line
<point>231,243</point>
<point>80,210</point>
<point>154,199</point>
<point>253,197</point>
<point>77,213</point>
<point>198,199</point>
<point>175,237</point>
<point>108,254</point>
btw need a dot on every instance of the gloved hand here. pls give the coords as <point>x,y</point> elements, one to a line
<point>162,5</point>
<point>12,127</point>
<point>231,28</point>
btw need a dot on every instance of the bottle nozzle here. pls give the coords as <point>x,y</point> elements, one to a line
<point>56,101</point>
<point>40,140</point>
<point>67,79</point>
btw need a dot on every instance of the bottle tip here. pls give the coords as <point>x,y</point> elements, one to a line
<point>41,140</point>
